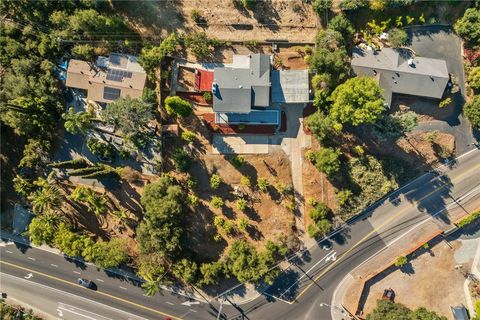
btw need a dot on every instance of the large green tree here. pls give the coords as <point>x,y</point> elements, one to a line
<point>472,111</point>
<point>178,106</point>
<point>47,198</point>
<point>357,101</point>
<point>131,116</point>
<point>474,78</point>
<point>109,254</point>
<point>77,122</point>
<point>468,26</point>
<point>387,310</point>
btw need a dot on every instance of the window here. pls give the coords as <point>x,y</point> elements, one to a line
<point>111,93</point>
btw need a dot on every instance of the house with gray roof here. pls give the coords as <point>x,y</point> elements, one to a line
<point>399,71</point>
<point>247,90</point>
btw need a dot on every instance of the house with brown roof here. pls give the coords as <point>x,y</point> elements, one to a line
<point>110,78</point>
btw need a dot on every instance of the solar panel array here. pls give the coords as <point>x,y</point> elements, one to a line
<point>111,93</point>
<point>118,75</point>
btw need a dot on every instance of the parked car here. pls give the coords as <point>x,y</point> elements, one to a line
<point>85,283</point>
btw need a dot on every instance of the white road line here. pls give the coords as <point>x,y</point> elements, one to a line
<point>99,280</point>
<point>193,310</point>
<point>54,265</point>
<point>331,254</point>
<point>123,288</point>
<point>168,302</point>
<point>76,272</point>
<point>275,297</point>
<point>8,251</point>
<point>405,233</point>
<point>30,258</point>
<point>73,295</point>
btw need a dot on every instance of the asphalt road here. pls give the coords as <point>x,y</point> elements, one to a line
<point>304,291</point>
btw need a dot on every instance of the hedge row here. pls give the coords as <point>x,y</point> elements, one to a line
<point>110,172</point>
<point>468,219</point>
<point>70,164</point>
<point>84,171</point>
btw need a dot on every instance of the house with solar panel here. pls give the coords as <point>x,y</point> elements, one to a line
<point>112,77</point>
<point>249,91</point>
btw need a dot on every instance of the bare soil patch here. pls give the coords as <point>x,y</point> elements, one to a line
<point>420,288</point>
<point>269,214</point>
<point>186,80</point>
<point>292,20</point>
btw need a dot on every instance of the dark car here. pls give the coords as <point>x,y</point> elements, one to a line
<point>85,283</point>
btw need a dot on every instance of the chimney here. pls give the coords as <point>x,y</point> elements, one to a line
<point>410,62</point>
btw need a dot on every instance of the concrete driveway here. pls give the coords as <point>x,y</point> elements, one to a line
<point>440,42</point>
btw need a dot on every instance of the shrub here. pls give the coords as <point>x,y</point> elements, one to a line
<point>445,102</point>
<point>228,227</point>
<point>468,219</point>
<point>313,231</point>
<point>207,96</point>
<point>397,37</point>
<point>327,160</point>
<point>242,224</point>
<point>188,136</point>
<point>70,164</point>
<point>319,212</point>
<point>196,16</point>
<point>312,201</point>
<point>248,4</point>
<point>238,161</point>
<point>472,111</point>
<point>181,159</point>
<point>241,204</point>
<point>192,200</point>
<point>359,150</point>
<point>263,184</point>
<point>324,226</point>
<point>199,44</point>
<point>107,172</point>
<point>310,156</point>
<point>216,202</point>
<point>432,136</point>
<point>101,149</point>
<point>319,6</point>
<point>84,171</point>
<point>474,78</point>
<point>191,183</point>
<point>215,181</point>
<point>245,181</point>
<point>401,261</point>
<point>177,106</point>
<point>218,221</point>
<point>343,196</point>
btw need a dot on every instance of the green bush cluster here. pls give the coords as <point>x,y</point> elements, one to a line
<point>101,149</point>
<point>468,219</point>
<point>69,164</point>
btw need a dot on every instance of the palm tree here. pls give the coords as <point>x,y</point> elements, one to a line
<point>77,122</point>
<point>94,201</point>
<point>151,286</point>
<point>46,198</point>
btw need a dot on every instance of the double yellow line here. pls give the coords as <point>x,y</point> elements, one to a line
<point>376,229</point>
<point>98,292</point>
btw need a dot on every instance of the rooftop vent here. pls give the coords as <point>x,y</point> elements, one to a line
<point>411,63</point>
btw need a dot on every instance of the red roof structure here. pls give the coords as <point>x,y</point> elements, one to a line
<point>203,80</point>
